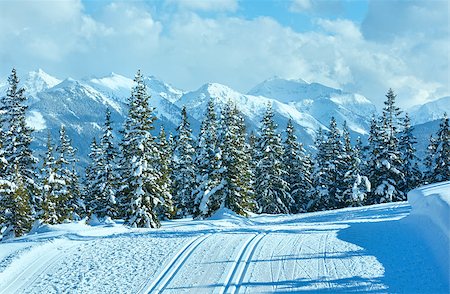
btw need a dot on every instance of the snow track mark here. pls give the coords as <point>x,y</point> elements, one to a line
<point>237,274</point>
<point>167,274</point>
<point>35,269</point>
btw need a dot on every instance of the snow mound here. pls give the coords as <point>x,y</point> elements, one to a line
<point>230,216</point>
<point>430,215</point>
<point>433,201</point>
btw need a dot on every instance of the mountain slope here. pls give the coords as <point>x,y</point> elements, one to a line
<point>430,111</point>
<point>319,101</point>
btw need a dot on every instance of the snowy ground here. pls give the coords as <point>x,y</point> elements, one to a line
<point>381,248</point>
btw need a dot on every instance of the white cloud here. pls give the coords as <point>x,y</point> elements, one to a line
<point>189,50</point>
<point>206,5</point>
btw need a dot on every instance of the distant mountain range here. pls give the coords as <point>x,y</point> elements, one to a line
<point>80,105</point>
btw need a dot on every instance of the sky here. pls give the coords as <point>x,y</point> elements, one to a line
<point>363,46</point>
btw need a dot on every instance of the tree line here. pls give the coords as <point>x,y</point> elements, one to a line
<point>146,178</point>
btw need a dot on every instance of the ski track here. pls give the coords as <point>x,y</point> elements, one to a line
<point>236,276</point>
<point>168,273</point>
<point>265,254</point>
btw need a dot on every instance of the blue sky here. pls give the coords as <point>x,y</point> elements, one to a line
<point>364,46</point>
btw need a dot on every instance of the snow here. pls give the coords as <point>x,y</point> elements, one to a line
<point>36,121</point>
<point>431,215</point>
<point>379,248</point>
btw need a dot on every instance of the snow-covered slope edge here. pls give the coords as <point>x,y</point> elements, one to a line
<point>433,202</point>
<point>431,215</point>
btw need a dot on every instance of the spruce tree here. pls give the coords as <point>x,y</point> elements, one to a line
<point>319,194</point>
<point>106,177</point>
<point>272,191</point>
<point>52,187</point>
<point>429,161</point>
<point>18,162</point>
<point>184,172</point>
<point>139,190</point>
<point>70,205</point>
<point>297,168</point>
<point>387,185</point>
<point>441,167</point>
<point>165,208</point>
<point>235,190</point>
<point>207,162</point>
<point>91,184</point>
<point>335,165</point>
<point>410,168</point>
<point>356,184</point>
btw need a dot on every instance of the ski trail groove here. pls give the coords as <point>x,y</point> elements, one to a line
<point>237,274</point>
<point>33,271</point>
<point>162,280</point>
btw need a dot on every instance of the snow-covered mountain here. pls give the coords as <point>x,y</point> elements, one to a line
<point>310,106</point>
<point>80,105</point>
<point>320,102</point>
<point>430,111</point>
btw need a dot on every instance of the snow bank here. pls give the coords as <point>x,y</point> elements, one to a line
<point>433,201</point>
<point>430,216</point>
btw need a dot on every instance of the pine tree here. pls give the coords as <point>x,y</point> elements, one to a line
<point>70,205</point>
<point>165,208</point>
<point>106,177</point>
<point>91,184</point>
<point>297,167</point>
<point>388,162</point>
<point>271,189</point>
<point>410,168</point>
<point>429,160</point>
<point>319,194</point>
<point>139,189</point>
<point>16,210</point>
<point>335,166</point>
<point>184,172</point>
<point>356,184</point>
<point>52,187</point>
<point>207,162</point>
<point>235,190</point>
<point>17,139</point>
<point>441,168</point>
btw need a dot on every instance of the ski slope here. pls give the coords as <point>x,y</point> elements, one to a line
<point>380,248</point>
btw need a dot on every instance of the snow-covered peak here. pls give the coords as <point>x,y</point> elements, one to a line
<point>113,81</point>
<point>165,90</point>
<point>38,81</point>
<point>285,90</point>
<point>430,111</point>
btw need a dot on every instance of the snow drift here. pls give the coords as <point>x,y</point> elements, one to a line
<point>433,202</point>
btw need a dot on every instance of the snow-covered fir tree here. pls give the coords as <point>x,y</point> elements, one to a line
<point>440,169</point>
<point>184,171</point>
<point>20,162</point>
<point>298,169</point>
<point>165,208</point>
<point>412,174</point>
<point>429,160</point>
<point>356,184</point>
<point>235,189</point>
<point>91,186</point>
<point>387,183</point>
<point>70,204</point>
<point>207,162</point>
<point>139,191</point>
<point>272,191</point>
<point>335,166</point>
<point>106,177</point>
<point>52,187</point>
<point>319,194</point>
